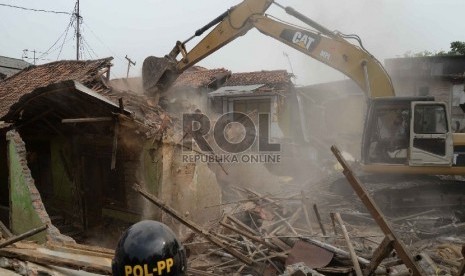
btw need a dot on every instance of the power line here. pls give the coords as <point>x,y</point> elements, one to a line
<point>58,39</point>
<point>108,48</point>
<point>64,39</point>
<point>65,32</point>
<point>88,46</point>
<point>36,10</point>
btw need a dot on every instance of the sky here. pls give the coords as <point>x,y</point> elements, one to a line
<point>141,28</point>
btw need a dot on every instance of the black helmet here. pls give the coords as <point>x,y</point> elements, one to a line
<point>149,248</point>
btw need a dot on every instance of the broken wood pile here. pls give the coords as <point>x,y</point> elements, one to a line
<point>262,235</point>
<point>53,258</point>
<point>268,235</point>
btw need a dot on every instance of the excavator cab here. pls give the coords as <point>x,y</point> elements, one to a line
<point>412,131</point>
<point>430,135</point>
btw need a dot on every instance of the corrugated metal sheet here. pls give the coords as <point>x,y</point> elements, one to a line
<point>10,66</point>
<point>235,90</point>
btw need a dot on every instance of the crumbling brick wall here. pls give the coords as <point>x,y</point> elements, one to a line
<point>26,208</point>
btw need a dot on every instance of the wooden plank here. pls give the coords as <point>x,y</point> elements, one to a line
<point>5,231</point>
<point>377,214</point>
<point>190,224</point>
<point>89,251</point>
<point>317,214</point>
<point>333,222</point>
<point>249,236</point>
<point>6,272</point>
<point>242,225</point>
<point>381,252</point>
<point>115,145</point>
<point>353,256</point>
<point>335,250</point>
<point>307,218</point>
<point>86,120</point>
<point>196,272</point>
<point>47,260</point>
<point>23,236</point>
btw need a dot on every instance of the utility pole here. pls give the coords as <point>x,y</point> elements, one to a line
<point>289,60</point>
<point>130,62</point>
<point>25,55</point>
<point>78,35</point>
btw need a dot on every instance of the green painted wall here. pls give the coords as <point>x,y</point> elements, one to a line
<point>62,166</point>
<point>24,216</point>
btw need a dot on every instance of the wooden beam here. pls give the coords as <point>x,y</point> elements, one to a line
<point>5,231</point>
<point>35,118</point>
<point>115,145</point>
<point>304,207</point>
<point>247,235</point>
<point>193,226</point>
<point>317,214</point>
<point>381,252</point>
<point>23,236</point>
<point>86,120</point>
<point>353,256</point>
<point>48,260</point>
<point>376,213</point>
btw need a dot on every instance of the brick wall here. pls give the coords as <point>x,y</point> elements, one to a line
<point>26,208</point>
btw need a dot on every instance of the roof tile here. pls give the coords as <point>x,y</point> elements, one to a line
<point>31,78</point>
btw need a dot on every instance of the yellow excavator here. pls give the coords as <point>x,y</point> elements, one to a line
<point>401,135</point>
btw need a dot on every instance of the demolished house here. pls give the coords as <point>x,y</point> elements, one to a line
<point>72,148</point>
<point>322,125</point>
<point>439,76</point>
<point>80,153</point>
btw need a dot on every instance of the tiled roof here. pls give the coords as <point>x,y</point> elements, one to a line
<point>199,77</point>
<point>275,77</point>
<point>31,78</point>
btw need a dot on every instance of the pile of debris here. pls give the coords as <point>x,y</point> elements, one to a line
<point>264,234</point>
<point>271,235</point>
<point>19,257</point>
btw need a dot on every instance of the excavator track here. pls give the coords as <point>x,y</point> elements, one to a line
<point>421,194</point>
<point>399,195</point>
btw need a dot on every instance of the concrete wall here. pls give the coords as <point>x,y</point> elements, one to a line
<point>26,208</point>
<point>189,188</point>
<point>442,89</point>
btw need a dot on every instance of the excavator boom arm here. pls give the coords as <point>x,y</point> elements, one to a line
<point>160,73</point>
<point>336,52</point>
<point>324,46</point>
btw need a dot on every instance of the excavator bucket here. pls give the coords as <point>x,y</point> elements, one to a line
<point>158,74</point>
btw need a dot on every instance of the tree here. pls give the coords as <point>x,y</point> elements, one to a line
<point>457,48</point>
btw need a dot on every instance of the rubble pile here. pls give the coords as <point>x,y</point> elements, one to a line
<point>286,236</point>
<point>307,232</point>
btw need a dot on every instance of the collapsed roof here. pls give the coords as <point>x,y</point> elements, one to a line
<point>88,73</point>
<point>200,77</point>
<point>253,83</point>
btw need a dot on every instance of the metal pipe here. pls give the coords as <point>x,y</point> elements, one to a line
<point>291,11</point>
<point>367,79</point>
